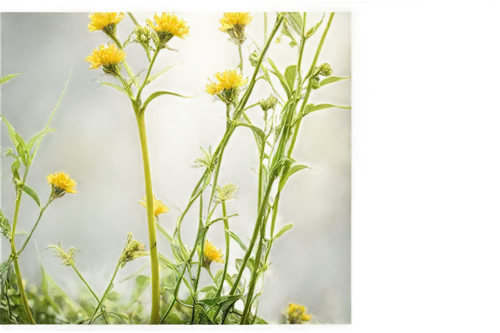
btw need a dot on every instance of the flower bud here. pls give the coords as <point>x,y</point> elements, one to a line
<point>142,34</point>
<point>269,103</point>
<point>325,69</point>
<point>254,58</point>
<point>133,250</point>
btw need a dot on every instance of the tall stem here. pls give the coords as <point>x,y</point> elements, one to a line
<point>226,234</point>
<point>105,293</point>
<point>153,250</point>
<point>13,252</point>
<point>34,227</point>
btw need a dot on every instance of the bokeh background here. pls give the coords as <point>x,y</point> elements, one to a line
<point>96,142</point>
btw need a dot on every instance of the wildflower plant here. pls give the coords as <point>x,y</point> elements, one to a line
<point>177,296</point>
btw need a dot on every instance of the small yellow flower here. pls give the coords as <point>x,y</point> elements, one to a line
<point>227,80</point>
<point>296,314</point>
<point>211,253</point>
<point>169,25</point>
<point>104,21</point>
<point>158,206</point>
<point>105,56</point>
<point>61,183</point>
<point>233,20</point>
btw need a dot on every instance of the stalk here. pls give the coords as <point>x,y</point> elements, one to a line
<point>226,233</point>
<point>105,293</point>
<point>155,271</point>
<point>34,227</point>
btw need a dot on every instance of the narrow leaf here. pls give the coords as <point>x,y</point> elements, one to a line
<point>12,132</point>
<point>257,131</point>
<point>15,168</point>
<point>291,171</point>
<point>8,77</point>
<point>283,230</point>
<point>238,240</point>
<point>117,87</point>
<point>333,79</point>
<point>160,73</point>
<point>120,317</point>
<point>29,191</point>
<point>282,79</point>
<point>160,93</point>
<point>312,108</point>
<point>311,31</point>
<point>295,20</point>
<point>290,74</point>
<point>37,137</point>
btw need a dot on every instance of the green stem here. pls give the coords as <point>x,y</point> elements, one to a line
<point>14,256</point>
<point>240,65</point>
<point>34,227</point>
<point>226,234</point>
<point>153,250</point>
<point>164,232</point>
<point>265,26</point>
<point>90,289</point>
<point>105,293</point>
<point>200,260</point>
<point>147,75</point>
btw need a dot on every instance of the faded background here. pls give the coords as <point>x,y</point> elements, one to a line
<point>97,143</point>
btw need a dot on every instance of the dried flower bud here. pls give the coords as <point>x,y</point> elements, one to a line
<point>133,250</point>
<point>66,258</point>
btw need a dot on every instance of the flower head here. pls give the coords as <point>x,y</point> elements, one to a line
<point>67,259</point>
<point>227,193</point>
<point>227,80</point>
<point>133,250</point>
<point>105,21</point>
<point>296,314</point>
<point>158,206</point>
<point>235,20</point>
<point>170,25</point>
<point>61,184</point>
<point>212,253</point>
<point>108,57</point>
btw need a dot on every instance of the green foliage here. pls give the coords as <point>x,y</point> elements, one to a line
<point>8,77</point>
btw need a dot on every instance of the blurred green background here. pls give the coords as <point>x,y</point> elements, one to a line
<point>97,144</point>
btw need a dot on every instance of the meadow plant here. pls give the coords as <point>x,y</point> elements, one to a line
<point>274,146</point>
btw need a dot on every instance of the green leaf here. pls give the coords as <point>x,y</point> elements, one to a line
<point>283,230</point>
<point>280,76</point>
<point>29,191</point>
<point>22,233</point>
<point>160,73</point>
<point>291,171</point>
<point>8,77</point>
<point>238,240</point>
<point>117,87</point>
<point>260,135</point>
<point>160,93</point>
<point>141,284</point>
<point>312,108</point>
<point>333,79</point>
<point>121,317</point>
<point>311,31</point>
<point>12,132</point>
<point>15,169</point>
<point>295,21</point>
<point>113,296</point>
<point>290,74</point>
<point>178,253</point>
<point>37,137</point>
<point>207,289</point>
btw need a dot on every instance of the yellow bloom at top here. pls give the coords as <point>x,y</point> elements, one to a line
<point>170,24</point>
<point>100,21</point>
<point>61,183</point>
<point>212,253</point>
<point>296,314</point>
<point>158,206</point>
<point>231,20</point>
<point>227,80</point>
<point>105,56</point>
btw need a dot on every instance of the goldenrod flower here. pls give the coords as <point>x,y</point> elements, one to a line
<point>296,314</point>
<point>170,24</point>
<point>61,183</point>
<point>227,80</point>
<point>211,253</point>
<point>236,20</point>
<point>158,206</point>
<point>105,56</point>
<point>104,21</point>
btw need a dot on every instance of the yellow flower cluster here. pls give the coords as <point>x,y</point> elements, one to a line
<point>170,24</point>
<point>231,21</point>
<point>61,183</point>
<point>105,56</point>
<point>100,21</point>
<point>296,314</point>
<point>212,253</point>
<point>158,206</point>
<point>228,80</point>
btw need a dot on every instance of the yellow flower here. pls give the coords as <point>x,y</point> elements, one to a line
<point>105,56</point>
<point>234,20</point>
<point>103,21</point>
<point>158,206</point>
<point>228,80</point>
<point>296,314</point>
<point>170,25</point>
<point>61,183</point>
<point>211,253</point>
